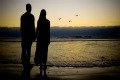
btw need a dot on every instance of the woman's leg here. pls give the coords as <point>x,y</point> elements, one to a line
<point>40,68</point>
<point>45,58</point>
<point>45,67</point>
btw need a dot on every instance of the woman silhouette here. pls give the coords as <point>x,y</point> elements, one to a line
<point>43,41</point>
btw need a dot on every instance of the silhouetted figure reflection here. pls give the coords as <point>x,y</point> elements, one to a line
<point>40,77</point>
<point>43,41</point>
<point>27,34</point>
<point>26,74</point>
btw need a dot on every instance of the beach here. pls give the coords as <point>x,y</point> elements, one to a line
<point>67,60</point>
<point>83,38</point>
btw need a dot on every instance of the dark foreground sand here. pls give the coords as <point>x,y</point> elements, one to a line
<point>13,72</point>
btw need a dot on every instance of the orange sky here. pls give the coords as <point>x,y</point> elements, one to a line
<point>90,12</point>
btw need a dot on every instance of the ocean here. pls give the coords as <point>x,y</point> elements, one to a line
<point>67,52</point>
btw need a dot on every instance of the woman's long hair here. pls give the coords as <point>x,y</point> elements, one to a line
<point>42,14</point>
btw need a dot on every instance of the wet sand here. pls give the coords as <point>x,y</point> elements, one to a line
<point>14,72</point>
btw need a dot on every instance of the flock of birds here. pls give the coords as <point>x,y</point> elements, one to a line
<point>69,20</point>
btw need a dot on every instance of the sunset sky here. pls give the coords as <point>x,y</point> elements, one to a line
<point>90,12</point>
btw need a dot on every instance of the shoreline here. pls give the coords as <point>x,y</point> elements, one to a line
<point>67,40</point>
<point>73,66</point>
<point>13,71</point>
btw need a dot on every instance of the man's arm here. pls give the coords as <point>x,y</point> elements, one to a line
<point>33,28</point>
<point>49,32</point>
<point>21,26</point>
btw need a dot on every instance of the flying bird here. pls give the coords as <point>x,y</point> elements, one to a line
<point>59,18</point>
<point>70,21</point>
<point>76,15</point>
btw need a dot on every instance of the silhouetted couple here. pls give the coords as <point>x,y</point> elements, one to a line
<point>29,35</point>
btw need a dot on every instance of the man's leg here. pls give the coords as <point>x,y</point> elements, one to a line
<point>29,44</point>
<point>23,55</point>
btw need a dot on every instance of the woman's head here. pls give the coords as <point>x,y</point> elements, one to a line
<point>43,13</point>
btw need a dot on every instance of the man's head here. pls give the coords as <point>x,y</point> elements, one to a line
<point>28,7</point>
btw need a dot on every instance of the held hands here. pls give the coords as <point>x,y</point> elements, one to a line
<point>34,38</point>
<point>48,43</point>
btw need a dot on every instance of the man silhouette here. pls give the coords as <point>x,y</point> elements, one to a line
<point>27,33</point>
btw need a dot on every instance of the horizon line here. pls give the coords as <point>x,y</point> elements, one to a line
<point>63,26</point>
